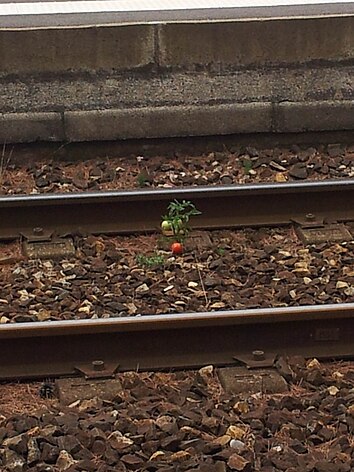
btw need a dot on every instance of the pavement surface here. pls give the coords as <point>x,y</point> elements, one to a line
<point>37,14</point>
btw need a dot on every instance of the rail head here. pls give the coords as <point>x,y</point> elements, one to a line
<point>177,321</point>
<point>241,190</point>
<point>140,211</point>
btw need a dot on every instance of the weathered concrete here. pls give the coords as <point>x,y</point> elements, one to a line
<point>119,91</point>
<point>166,80</point>
<point>146,13</point>
<point>29,127</point>
<point>157,122</point>
<point>240,44</point>
<point>223,45</point>
<point>314,116</point>
<point>153,122</point>
<point>40,52</point>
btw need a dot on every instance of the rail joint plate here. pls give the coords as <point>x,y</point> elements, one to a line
<point>73,390</point>
<point>319,233</point>
<point>240,380</point>
<point>55,249</point>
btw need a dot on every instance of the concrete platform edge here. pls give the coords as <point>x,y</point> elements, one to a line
<point>177,121</point>
<point>31,127</point>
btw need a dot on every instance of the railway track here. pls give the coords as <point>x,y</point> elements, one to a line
<point>307,203</point>
<point>66,348</point>
<point>100,347</point>
<point>150,34</point>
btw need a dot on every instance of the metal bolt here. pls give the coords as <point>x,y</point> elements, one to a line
<point>258,355</point>
<point>310,217</point>
<point>38,231</point>
<point>98,365</point>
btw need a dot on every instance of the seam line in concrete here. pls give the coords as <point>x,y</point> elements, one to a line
<point>157,39</point>
<point>62,120</point>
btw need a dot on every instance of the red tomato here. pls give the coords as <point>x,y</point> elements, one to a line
<point>176,248</point>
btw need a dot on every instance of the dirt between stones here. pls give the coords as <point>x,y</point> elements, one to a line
<point>127,276</point>
<point>184,421</point>
<point>235,165</point>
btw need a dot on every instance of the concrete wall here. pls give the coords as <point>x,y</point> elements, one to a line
<point>177,79</point>
<point>81,49</point>
<point>256,43</point>
<point>228,45</point>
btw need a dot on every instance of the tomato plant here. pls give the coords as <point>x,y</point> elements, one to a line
<point>178,216</point>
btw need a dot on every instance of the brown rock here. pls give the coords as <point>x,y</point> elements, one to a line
<point>64,461</point>
<point>88,465</point>
<point>284,369</point>
<point>49,453</point>
<point>133,461</point>
<point>17,443</point>
<point>13,461</point>
<point>291,403</point>
<point>119,442</point>
<point>325,466</point>
<point>166,424</point>
<point>315,377</point>
<point>285,459</point>
<point>98,447</point>
<point>69,443</point>
<point>171,443</point>
<point>238,463</point>
<point>79,181</point>
<point>33,454</point>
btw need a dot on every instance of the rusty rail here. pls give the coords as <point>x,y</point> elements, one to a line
<point>141,210</point>
<point>170,341</point>
<point>185,340</point>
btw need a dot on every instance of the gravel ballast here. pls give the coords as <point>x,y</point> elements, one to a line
<point>180,421</point>
<point>233,166</point>
<point>130,276</point>
<point>184,421</point>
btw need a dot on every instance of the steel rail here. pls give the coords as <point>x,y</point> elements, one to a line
<point>132,211</point>
<point>45,349</point>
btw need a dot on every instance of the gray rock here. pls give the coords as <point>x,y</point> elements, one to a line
<point>298,171</point>
<point>226,179</point>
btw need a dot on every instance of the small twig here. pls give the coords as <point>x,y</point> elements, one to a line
<point>156,284</point>
<point>61,147</point>
<point>4,162</point>
<point>207,302</point>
